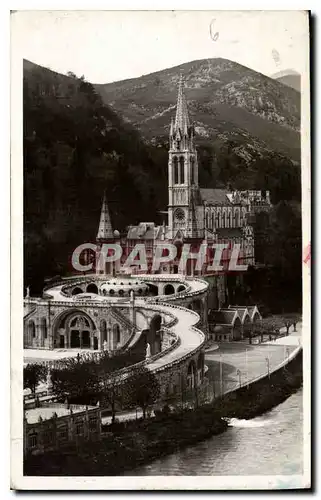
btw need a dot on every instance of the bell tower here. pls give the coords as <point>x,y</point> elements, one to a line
<point>182,172</point>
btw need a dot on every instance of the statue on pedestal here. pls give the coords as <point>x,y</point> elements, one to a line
<point>148,354</point>
<point>28,292</point>
<point>105,345</point>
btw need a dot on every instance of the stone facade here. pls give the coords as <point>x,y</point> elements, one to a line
<point>53,427</point>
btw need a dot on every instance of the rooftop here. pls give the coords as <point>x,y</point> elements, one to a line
<point>215,196</point>
<point>229,232</point>
<point>34,414</point>
<point>223,317</point>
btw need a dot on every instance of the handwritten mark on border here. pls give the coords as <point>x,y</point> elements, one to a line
<point>307,255</point>
<point>213,34</point>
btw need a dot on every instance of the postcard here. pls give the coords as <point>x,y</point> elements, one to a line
<point>160,214</point>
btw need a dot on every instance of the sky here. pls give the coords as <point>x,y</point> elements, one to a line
<point>107,46</point>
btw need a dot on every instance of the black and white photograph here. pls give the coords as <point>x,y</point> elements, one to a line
<point>161,258</point>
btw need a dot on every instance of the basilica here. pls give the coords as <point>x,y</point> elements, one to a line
<point>195,215</point>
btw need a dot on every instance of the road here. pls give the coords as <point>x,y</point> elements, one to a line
<point>242,363</point>
<point>252,361</point>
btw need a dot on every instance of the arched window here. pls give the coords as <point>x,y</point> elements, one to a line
<point>218,224</point>
<point>116,331</point>
<point>230,223</point>
<point>181,167</point>
<point>103,329</point>
<point>192,162</point>
<point>237,218</point>
<point>175,169</point>
<point>213,220</point>
<point>32,329</point>
<point>43,326</point>
<point>207,221</point>
<point>224,221</point>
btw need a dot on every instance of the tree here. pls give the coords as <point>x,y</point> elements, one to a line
<point>142,389</point>
<point>33,374</point>
<point>289,320</point>
<point>112,391</point>
<point>272,326</point>
<point>76,379</point>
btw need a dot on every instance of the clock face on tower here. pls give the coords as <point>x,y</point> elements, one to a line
<point>179,215</point>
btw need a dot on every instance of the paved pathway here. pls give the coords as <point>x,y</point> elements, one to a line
<point>251,360</point>
<point>241,362</point>
<point>36,355</point>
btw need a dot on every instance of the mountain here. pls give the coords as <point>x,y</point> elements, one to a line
<point>81,140</point>
<point>290,78</point>
<point>227,102</point>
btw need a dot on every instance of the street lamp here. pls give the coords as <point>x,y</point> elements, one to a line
<point>221,375</point>
<point>239,373</point>
<point>287,354</point>
<point>247,369</point>
<point>268,366</point>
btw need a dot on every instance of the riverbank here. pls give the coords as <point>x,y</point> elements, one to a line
<point>127,445</point>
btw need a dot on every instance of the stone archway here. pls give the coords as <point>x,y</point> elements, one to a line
<point>75,329</point>
<point>79,332</point>
<point>169,289</point>
<point>116,336</point>
<point>247,326</point>
<point>154,336</point>
<point>76,291</point>
<point>92,288</point>
<point>153,289</point>
<point>181,288</point>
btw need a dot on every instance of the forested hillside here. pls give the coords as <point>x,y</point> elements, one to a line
<point>76,146</point>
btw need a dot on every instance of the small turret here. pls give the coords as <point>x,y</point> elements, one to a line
<point>105,230</point>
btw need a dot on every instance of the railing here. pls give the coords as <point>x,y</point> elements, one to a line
<point>122,319</point>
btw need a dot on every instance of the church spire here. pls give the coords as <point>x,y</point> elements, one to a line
<point>105,230</point>
<point>182,122</point>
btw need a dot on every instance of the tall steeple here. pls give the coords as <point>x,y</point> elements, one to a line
<point>182,122</point>
<point>105,230</point>
<point>182,171</point>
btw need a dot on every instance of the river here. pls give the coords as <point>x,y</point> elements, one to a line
<point>267,445</point>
